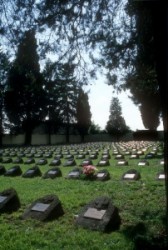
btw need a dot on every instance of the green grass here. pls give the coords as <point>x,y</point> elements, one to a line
<point>141,207</point>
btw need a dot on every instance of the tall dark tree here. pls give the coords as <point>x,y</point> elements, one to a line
<point>4,67</point>
<point>25,96</point>
<point>67,93</point>
<point>83,113</point>
<point>116,124</point>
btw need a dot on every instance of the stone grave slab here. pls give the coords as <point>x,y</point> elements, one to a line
<point>69,156</point>
<point>93,156</point>
<point>94,213</point>
<point>131,175</point>
<point>7,160</point>
<point>70,162</point>
<point>52,173</point>
<point>18,160</point>
<point>9,201</point>
<point>42,162</point>
<point>80,156</point>
<point>162,162</point>
<point>122,163</point>
<point>143,163</point>
<point>103,163</point>
<point>47,155</point>
<point>32,172</point>
<point>160,176</point>
<point>134,156</point>
<point>86,162</point>
<point>149,156</point>
<point>105,157</point>
<point>38,155</point>
<point>100,215</point>
<point>29,161</point>
<point>2,170</point>
<point>103,175</point>
<point>44,209</point>
<point>119,156</point>
<point>40,207</point>
<point>58,156</point>
<point>55,162</point>
<point>74,173</point>
<point>13,171</point>
<point>159,155</point>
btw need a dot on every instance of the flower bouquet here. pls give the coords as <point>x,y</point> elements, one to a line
<point>89,172</point>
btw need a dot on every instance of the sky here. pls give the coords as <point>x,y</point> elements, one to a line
<point>100,96</point>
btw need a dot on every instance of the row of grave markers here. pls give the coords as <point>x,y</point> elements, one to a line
<point>99,214</point>
<point>75,173</point>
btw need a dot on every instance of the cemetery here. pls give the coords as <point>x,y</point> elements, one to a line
<point>88,190</point>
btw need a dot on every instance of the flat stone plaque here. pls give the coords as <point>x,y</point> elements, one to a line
<point>40,207</point>
<point>2,198</point>
<point>52,172</point>
<point>102,162</point>
<point>162,176</point>
<point>30,171</point>
<point>141,163</point>
<point>121,162</point>
<point>85,162</point>
<point>100,174</point>
<point>129,176</point>
<point>73,174</point>
<point>133,156</point>
<point>11,170</point>
<point>93,213</point>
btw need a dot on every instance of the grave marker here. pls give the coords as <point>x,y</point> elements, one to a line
<point>44,209</point>
<point>131,174</point>
<point>100,214</point>
<point>9,201</point>
<point>74,174</point>
<point>102,175</point>
<point>52,173</point>
<point>13,171</point>
<point>2,170</point>
<point>32,172</point>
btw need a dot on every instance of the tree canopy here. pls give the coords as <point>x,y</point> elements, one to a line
<point>116,124</point>
<point>24,95</point>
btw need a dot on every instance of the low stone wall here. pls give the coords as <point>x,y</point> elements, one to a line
<point>43,139</point>
<point>13,139</point>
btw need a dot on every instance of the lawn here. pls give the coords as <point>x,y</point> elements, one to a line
<point>141,203</point>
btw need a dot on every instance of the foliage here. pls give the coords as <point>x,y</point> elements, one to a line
<point>24,95</point>
<point>83,113</point>
<point>4,68</point>
<point>116,124</point>
<point>94,128</point>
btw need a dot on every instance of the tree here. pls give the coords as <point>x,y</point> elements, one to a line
<point>4,67</point>
<point>25,97</point>
<point>67,89</point>
<point>83,113</point>
<point>94,129</point>
<point>116,124</point>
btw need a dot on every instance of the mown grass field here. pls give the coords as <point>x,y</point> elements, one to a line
<point>141,205</point>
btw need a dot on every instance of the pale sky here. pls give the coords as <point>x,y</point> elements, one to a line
<point>100,97</point>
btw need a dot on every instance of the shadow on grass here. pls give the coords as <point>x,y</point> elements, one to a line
<point>142,240</point>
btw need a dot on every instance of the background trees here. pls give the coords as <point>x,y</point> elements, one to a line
<point>24,96</point>
<point>116,124</point>
<point>4,67</point>
<point>83,113</point>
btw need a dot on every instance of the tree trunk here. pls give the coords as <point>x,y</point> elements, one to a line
<point>160,18</point>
